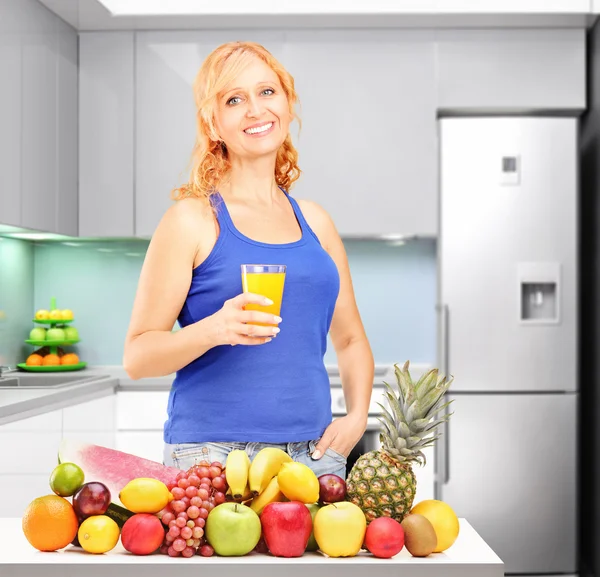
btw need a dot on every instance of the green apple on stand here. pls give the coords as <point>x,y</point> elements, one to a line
<point>55,334</point>
<point>71,334</point>
<point>38,334</point>
<point>233,529</point>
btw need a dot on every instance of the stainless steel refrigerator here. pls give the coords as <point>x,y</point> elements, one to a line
<point>507,460</point>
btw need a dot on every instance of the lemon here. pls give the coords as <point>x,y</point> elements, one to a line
<point>145,495</point>
<point>298,482</point>
<point>98,534</point>
<point>66,479</point>
<point>444,520</point>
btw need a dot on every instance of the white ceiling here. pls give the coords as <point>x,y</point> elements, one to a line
<point>210,14</point>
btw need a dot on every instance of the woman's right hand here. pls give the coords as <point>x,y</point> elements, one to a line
<point>230,323</point>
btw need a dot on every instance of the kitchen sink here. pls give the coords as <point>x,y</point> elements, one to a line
<point>41,381</point>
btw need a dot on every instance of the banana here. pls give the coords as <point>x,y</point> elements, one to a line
<point>236,472</point>
<point>271,494</point>
<point>245,496</point>
<point>264,467</point>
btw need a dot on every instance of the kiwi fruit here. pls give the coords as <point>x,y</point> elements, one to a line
<point>419,535</point>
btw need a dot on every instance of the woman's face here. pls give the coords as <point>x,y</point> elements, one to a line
<point>252,115</point>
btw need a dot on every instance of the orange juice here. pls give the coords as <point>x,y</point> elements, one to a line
<point>265,280</point>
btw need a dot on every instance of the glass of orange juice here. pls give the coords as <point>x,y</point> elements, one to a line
<point>266,280</point>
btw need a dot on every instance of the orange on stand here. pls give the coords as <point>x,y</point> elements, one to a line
<point>34,360</point>
<point>51,360</point>
<point>69,359</point>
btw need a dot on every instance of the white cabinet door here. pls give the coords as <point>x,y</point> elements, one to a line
<point>145,444</point>
<point>511,69</point>
<point>39,120</point>
<point>367,147</point>
<point>130,417</point>
<point>20,490</point>
<point>30,446</point>
<point>165,129</point>
<point>106,118</point>
<point>97,415</point>
<point>67,213</point>
<point>11,15</point>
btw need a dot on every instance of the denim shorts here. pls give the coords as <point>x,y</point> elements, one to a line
<point>185,455</point>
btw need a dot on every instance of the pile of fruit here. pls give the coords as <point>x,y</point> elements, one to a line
<point>271,504</point>
<point>49,339</point>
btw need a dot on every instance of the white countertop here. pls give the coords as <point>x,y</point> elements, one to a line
<point>470,556</point>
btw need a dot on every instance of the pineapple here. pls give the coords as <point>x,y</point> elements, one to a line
<point>382,483</point>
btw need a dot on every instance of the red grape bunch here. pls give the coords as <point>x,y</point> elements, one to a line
<point>195,493</point>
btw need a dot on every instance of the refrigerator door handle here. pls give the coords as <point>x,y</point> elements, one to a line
<point>444,334</point>
<point>442,461</point>
<point>446,440</point>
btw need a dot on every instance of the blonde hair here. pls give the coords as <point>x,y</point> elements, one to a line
<point>209,161</point>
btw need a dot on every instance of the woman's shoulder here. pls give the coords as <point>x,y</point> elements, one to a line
<point>188,214</point>
<point>318,219</point>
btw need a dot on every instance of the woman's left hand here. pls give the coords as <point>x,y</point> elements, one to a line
<point>341,435</point>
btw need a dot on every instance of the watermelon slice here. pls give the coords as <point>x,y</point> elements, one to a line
<point>113,468</point>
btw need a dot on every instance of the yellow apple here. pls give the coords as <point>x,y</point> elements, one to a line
<point>55,315</point>
<point>339,529</point>
<point>42,315</point>
<point>66,315</point>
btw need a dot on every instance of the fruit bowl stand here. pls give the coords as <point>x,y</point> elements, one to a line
<point>52,345</point>
<point>470,556</point>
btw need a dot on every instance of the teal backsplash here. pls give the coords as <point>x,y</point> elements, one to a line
<point>395,290</point>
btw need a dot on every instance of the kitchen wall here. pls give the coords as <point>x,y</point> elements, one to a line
<point>16,296</point>
<point>395,289</point>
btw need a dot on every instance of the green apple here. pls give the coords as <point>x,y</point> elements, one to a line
<point>71,334</point>
<point>312,542</point>
<point>232,529</point>
<point>55,334</point>
<point>38,334</point>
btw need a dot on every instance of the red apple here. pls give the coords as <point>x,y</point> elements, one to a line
<point>331,488</point>
<point>286,528</point>
<point>384,537</point>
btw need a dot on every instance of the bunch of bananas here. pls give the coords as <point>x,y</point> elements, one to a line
<point>256,480</point>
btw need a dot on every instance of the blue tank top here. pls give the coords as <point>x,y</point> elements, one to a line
<point>276,392</point>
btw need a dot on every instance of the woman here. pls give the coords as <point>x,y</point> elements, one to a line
<point>241,385</point>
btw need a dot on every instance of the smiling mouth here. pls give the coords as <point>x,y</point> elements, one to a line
<point>259,129</point>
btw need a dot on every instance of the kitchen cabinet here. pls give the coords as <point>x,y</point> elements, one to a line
<point>39,126</point>
<point>67,213</point>
<point>141,432</point>
<point>28,448</point>
<point>106,121</point>
<point>165,129</point>
<point>10,112</point>
<point>38,140</point>
<point>511,70</point>
<point>367,147</point>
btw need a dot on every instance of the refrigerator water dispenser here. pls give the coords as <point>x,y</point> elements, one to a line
<point>538,292</point>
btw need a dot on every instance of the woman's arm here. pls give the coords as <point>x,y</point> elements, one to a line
<point>151,348</point>
<point>355,358</point>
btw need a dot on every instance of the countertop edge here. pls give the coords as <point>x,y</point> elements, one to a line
<point>116,380</point>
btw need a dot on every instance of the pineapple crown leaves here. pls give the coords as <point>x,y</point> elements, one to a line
<point>406,428</point>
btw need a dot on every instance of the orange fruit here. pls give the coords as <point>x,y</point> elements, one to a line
<point>51,360</point>
<point>50,523</point>
<point>34,360</point>
<point>444,520</point>
<point>69,359</point>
